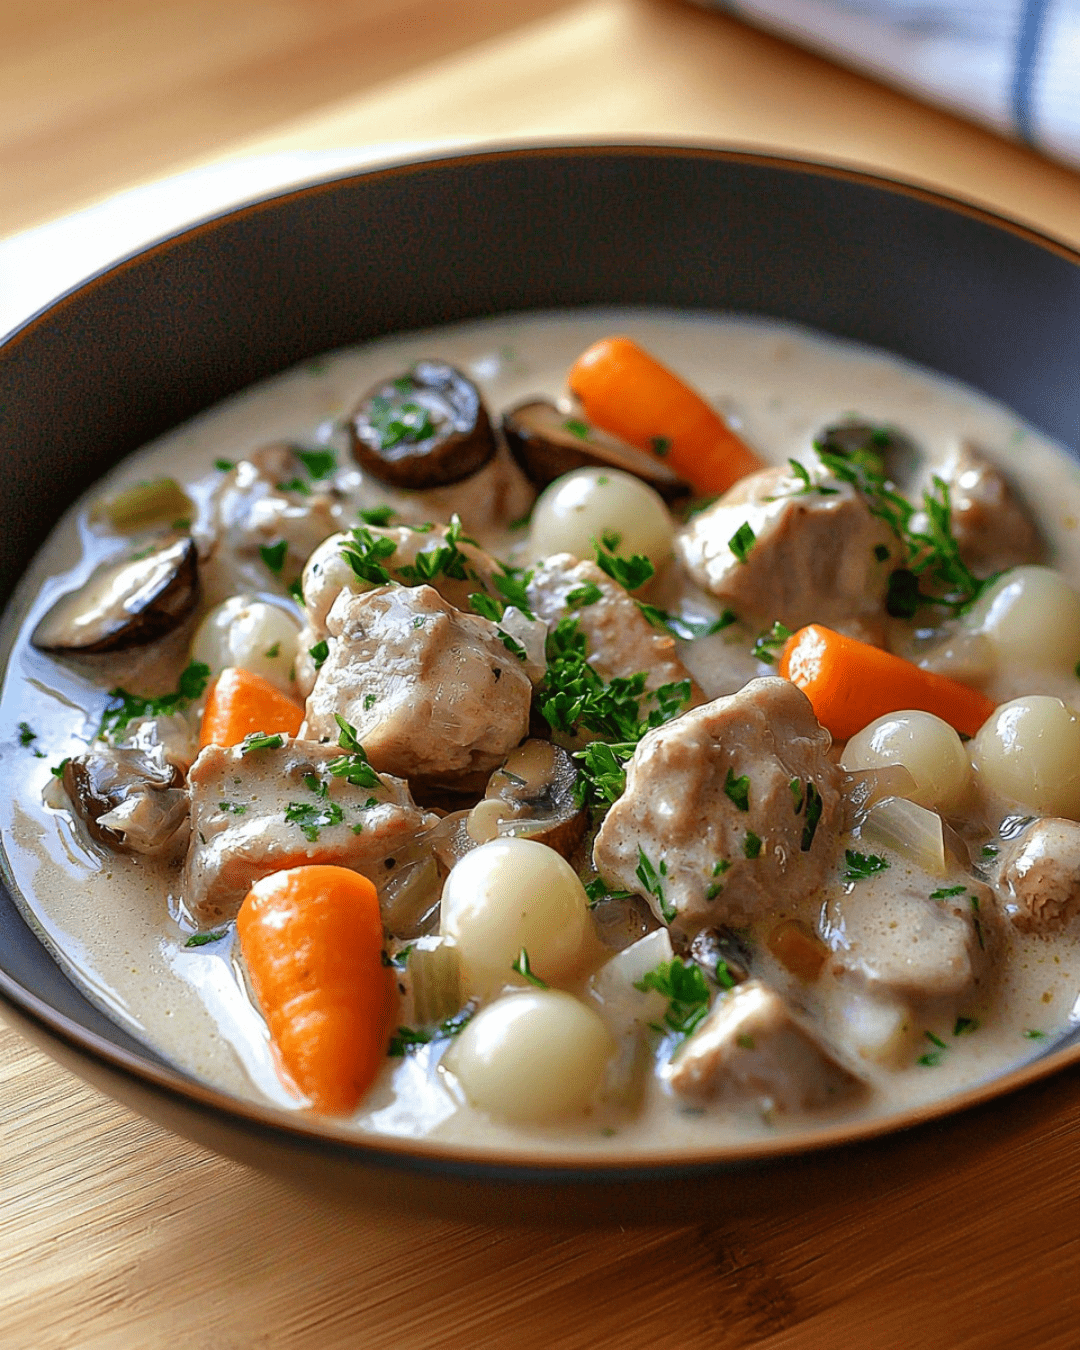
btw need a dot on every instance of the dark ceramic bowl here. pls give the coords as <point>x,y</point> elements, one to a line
<point>169,331</point>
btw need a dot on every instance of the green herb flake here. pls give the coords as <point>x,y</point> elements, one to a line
<point>353,766</point>
<point>738,789</point>
<point>686,990</point>
<point>931,1060</point>
<point>369,701</point>
<point>965,1026</point>
<point>990,851</point>
<point>399,421</point>
<point>444,560</point>
<point>689,630</point>
<point>258,741</point>
<point>57,770</point>
<point>313,817</point>
<point>862,865</point>
<point>273,555</point>
<point>486,606</point>
<point>232,808</point>
<point>630,573</point>
<point>26,733</point>
<point>647,874</point>
<point>272,652</point>
<point>1032,1035</point>
<point>224,465</point>
<point>204,939</point>
<point>576,427</point>
<point>798,794</point>
<point>752,845</point>
<point>365,553</point>
<point>125,707</point>
<point>294,485</point>
<point>813,816</point>
<point>319,463</point>
<point>946,892</point>
<point>581,596</point>
<point>296,590</point>
<point>935,1040</point>
<point>377,515</point>
<point>319,653</point>
<point>742,541</point>
<point>660,446</point>
<point>770,643</point>
<point>521,967</point>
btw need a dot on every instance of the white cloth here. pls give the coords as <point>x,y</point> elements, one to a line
<point>1012,64</point>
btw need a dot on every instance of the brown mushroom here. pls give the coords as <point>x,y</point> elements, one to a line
<point>547,443</point>
<point>425,429</point>
<point>129,799</point>
<point>722,954</point>
<point>532,796</point>
<point>898,454</point>
<point>125,604</point>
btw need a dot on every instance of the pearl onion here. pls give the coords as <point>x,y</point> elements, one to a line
<point>1029,753</point>
<point>587,504</point>
<point>1031,616</point>
<point>509,894</point>
<point>532,1057</point>
<point>253,634</point>
<point>926,746</point>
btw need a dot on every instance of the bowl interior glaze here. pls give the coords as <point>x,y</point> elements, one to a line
<point>176,327</point>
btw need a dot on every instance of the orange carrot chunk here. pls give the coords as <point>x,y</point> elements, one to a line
<point>241,704</point>
<point>312,940</point>
<point>850,683</point>
<point>627,392</point>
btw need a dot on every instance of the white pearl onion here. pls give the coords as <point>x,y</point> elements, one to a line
<point>509,894</point>
<point>532,1057</point>
<point>585,505</point>
<point>253,634</point>
<point>1031,616</point>
<point>1029,753</point>
<point>926,746</point>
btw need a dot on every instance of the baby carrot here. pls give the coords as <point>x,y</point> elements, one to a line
<point>850,683</point>
<point>312,941</point>
<point>627,392</point>
<point>242,703</point>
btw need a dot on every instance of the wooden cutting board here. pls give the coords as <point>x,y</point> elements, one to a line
<point>114,1233</point>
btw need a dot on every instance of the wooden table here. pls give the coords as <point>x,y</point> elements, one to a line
<point>113,1233</point>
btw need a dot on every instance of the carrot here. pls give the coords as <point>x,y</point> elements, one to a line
<point>627,392</point>
<point>242,703</point>
<point>312,940</point>
<point>850,683</point>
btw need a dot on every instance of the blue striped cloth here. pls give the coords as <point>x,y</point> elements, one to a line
<point>1012,64</point>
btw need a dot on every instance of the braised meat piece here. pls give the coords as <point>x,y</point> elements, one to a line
<point>1040,874</point>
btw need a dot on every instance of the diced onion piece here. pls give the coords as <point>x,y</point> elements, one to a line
<point>628,1069</point>
<point>910,829</point>
<point>877,1029</point>
<point>433,970</point>
<point>613,985</point>
<point>867,787</point>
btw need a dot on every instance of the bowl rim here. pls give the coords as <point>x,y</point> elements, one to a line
<point>303,1129</point>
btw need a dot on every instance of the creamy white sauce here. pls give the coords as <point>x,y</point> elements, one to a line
<point>107,917</point>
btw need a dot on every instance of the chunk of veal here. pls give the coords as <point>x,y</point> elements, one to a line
<point>269,809</point>
<point>433,694</point>
<point>256,506</point>
<point>890,936</point>
<point>730,811</point>
<point>807,553</point>
<point>989,521</point>
<point>752,1045</point>
<point>621,641</point>
<point>1040,875</point>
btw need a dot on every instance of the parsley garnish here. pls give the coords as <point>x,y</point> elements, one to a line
<point>114,720</point>
<point>964,1026</point>
<point>806,485</point>
<point>294,485</point>
<point>686,629</point>
<point>990,851</point>
<point>742,541</point>
<point>862,865</point>
<point>446,560</point>
<point>259,741</point>
<point>273,651</point>
<point>26,733</point>
<point>1032,1035</point>
<point>752,845</point>
<point>770,643</point>
<point>630,572</point>
<point>513,646</point>
<point>319,653</point>
<point>353,766</point>
<point>598,890</point>
<point>312,817</point>
<point>377,515</point>
<point>686,991</point>
<point>946,891</point>
<point>521,967</point>
<point>977,921</point>
<point>576,427</point>
<point>273,555</point>
<point>319,463</point>
<point>603,781</point>
<point>738,789</point>
<point>647,874</point>
<point>933,1057</point>
<point>512,584</point>
<point>232,808</point>
<point>204,939</point>
<point>364,553</point>
<point>224,465</point>
<point>407,1039</point>
<point>660,445</point>
<point>813,816</point>
<point>400,422</point>
<point>57,770</point>
<point>581,596</point>
<point>798,794</point>
<point>296,590</point>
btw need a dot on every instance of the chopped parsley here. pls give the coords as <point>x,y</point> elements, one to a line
<point>446,560</point>
<point>319,463</point>
<point>770,643</point>
<point>660,445</point>
<point>259,741</point>
<point>296,590</point>
<point>752,845</point>
<point>319,653</point>
<point>273,651</point>
<point>647,874</point>
<point>990,851</point>
<point>521,967</point>
<point>313,817</point>
<point>513,646</point>
<point>862,865</point>
<point>946,892</point>
<point>273,555</point>
<point>576,427</point>
<point>807,486</point>
<point>369,701</point>
<point>57,770</point>
<point>813,816</point>
<point>598,890</point>
<point>742,541</point>
<point>686,990</point>
<point>977,921</point>
<point>377,515</point>
<point>407,1039</point>
<point>964,1026</point>
<point>604,766</point>
<point>364,552</point>
<point>294,485</point>
<point>26,733</point>
<point>232,808</point>
<point>224,465</point>
<point>689,630</point>
<point>399,421</point>
<point>353,766</point>
<point>630,572</point>
<point>512,584</point>
<point>798,794</point>
<point>581,596</point>
<point>126,707</point>
<point>486,606</point>
<point>1032,1035</point>
<point>932,1058</point>
<point>204,939</point>
<point>738,789</point>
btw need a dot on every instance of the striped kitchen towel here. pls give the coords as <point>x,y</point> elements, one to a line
<point>1013,64</point>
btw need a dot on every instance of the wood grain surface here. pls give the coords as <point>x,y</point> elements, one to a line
<point>115,1233</point>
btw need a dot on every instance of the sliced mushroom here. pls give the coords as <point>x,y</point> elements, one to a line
<point>129,799</point>
<point>546,444</point>
<point>899,455</point>
<point>425,429</point>
<point>125,604</point>
<point>532,796</point>
<point>721,952</point>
